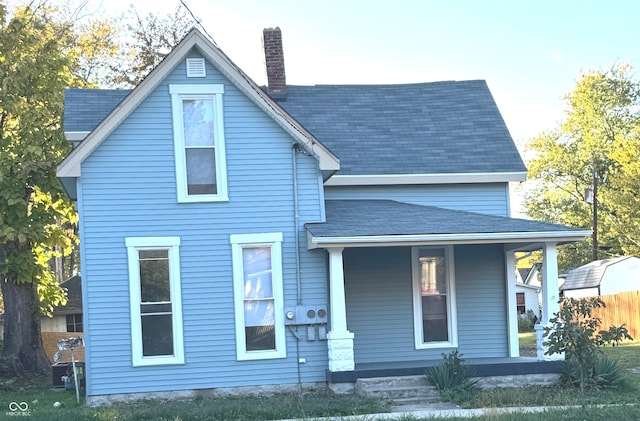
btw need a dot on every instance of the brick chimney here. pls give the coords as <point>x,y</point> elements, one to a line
<point>274,61</point>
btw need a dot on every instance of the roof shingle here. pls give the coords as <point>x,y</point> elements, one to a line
<point>360,218</point>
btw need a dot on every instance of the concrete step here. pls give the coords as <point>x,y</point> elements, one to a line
<point>402,381</point>
<point>397,388</point>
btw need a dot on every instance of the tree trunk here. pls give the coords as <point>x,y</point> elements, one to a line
<point>22,338</point>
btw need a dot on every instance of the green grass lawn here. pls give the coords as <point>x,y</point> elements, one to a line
<point>40,399</point>
<point>527,339</point>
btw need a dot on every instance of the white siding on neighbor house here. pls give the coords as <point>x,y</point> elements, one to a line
<point>380,310</point>
<point>621,276</point>
<point>53,324</point>
<point>128,189</point>
<point>492,199</point>
<point>531,301</point>
<point>581,293</point>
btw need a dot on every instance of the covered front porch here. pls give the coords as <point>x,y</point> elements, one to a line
<point>408,283</point>
<point>481,367</point>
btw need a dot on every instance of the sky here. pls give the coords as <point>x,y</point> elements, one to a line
<point>531,53</point>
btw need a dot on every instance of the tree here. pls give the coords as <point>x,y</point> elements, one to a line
<point>149,41</point>
<point>586,152</point>
<point>625,193</point>
<point>575,333</point>
<point>35,217</point>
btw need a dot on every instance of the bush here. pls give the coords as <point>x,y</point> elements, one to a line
<point>576,333</point>
<point>453,378</point>
<point>607,373</point>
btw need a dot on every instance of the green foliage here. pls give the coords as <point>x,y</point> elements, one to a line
<point>526,321</point>
<point>598,138</point>
<point>575,333</point>
<point>149,39</point>
<point>35,219</point>
<point>608,373</point>
<point>453,378</point>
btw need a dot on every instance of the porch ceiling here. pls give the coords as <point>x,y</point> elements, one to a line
<point>367,223</point>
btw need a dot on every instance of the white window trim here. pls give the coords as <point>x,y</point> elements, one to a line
<point>134,244</point>
<point>238,243</point>
<point>452,318</point>
<point>215,93</point>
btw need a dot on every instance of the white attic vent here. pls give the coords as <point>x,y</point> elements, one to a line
<point>196,68</point>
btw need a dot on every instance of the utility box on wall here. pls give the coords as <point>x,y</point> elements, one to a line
<point>306,315</point>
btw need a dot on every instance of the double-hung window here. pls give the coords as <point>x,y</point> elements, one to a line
<point>199,148</point>
<point>257,284</point>
<point>433,297</point>
<point>155,300</point>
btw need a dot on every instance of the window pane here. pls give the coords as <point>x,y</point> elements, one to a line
<point>154,280</point>
<point>157,336</point>
<point>201,171</point>
<point>155,308</point>
<point>434,318</point>
<point>260,338</point>
<point>198,122</point>
<point>153,254</point>
<point>433,278</point>
<point>256,264</point>
<point>259,313</point>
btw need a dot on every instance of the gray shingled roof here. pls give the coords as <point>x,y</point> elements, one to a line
<point>589,275</point>
<point>361,218</point>
<point>424,128</point>
<point>84,109</point>
<point>74,296</point>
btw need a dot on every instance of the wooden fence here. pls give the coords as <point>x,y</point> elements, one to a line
<point>621,308</point>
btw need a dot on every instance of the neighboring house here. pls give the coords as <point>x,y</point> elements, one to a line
<point>603,277</point>
<point>528,290</point>
<point>65,323</point>
<point>234,236</point>
<point>67,318</point>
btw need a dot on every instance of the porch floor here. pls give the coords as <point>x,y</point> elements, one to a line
<point>482,367</point>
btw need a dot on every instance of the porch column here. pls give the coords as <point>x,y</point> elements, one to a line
<point>550,293</point>
<point>339,339</point>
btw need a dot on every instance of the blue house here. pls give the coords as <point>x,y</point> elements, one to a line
<point>234,236</point>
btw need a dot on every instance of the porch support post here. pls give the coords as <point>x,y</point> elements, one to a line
<point>339,339</point>
<point>550,293</point>
<point>512,313</point>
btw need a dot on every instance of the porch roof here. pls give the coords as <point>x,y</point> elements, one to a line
<point>359,223</point>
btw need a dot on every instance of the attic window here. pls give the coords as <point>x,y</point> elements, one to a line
<point>196,67</point>
<point>199,143</point>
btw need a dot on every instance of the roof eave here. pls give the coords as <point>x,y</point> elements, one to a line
<point>439,178</point>
<point>71,165</point>
<point>442,239</point>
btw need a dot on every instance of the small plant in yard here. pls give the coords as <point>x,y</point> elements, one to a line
<point>453,379</point>
<point>574,332</point>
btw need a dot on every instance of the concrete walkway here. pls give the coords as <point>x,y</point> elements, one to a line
<point>440,411</point>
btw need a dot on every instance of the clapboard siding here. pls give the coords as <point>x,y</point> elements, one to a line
<point>380,308</point>
<point>492,199</point>
<point>128,189</point>
<point>379,302</point>
<point>482,319</point>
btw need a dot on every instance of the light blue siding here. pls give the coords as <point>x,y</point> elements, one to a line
<point>482,308</point>
<point>378,288</point>
<point>491,199</point>
<point>128,189</point>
